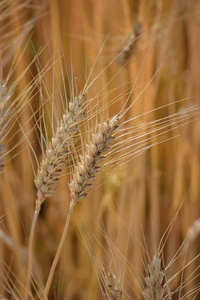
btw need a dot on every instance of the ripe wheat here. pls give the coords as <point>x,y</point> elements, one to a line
<point>57,151</point>
<point>113,141</point>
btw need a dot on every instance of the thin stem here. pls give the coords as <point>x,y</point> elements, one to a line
<point>56,258</point>
<point>30,253</point>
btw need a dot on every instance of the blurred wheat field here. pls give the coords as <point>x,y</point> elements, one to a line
<point>50,49</point>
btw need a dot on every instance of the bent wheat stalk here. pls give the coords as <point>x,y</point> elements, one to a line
<point>83,175</point>
<point>52,164</point>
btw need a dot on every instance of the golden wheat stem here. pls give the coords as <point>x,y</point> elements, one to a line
<point>56,258</point>
<point>30,253</point>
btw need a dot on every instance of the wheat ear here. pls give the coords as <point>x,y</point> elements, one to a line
<point>83,175</point>
<point>129,46</point>
<point>52,164</point>
<point>87,167</point>
<point>57,151</point>
<point>4,112</point>
<point>154,280</point>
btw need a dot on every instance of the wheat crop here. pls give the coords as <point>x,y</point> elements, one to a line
<point>82,120</point>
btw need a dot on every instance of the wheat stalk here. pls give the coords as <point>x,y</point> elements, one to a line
<point>52,164</point>
<point>83,175</point>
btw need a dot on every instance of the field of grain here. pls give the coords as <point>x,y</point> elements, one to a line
<point>99,130</point>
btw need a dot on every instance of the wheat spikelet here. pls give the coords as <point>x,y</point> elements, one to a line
<point>154,278</point>
<point>57,151</point>
<point>4,112</point>
<point>87,167</point>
